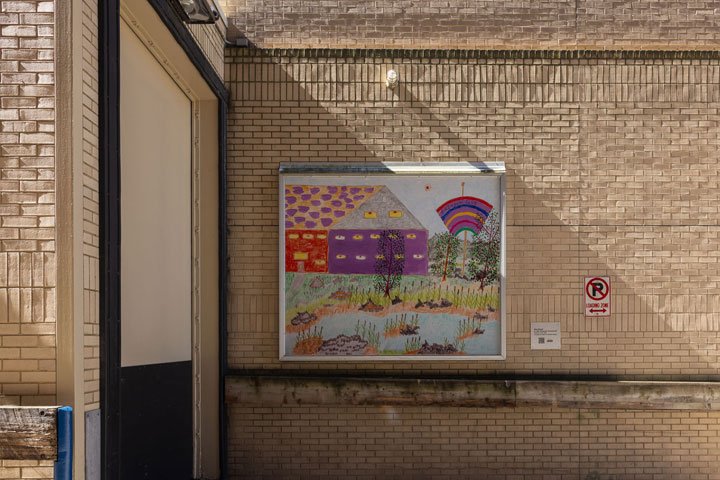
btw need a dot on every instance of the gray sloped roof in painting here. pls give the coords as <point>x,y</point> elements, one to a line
<point>381,204</point>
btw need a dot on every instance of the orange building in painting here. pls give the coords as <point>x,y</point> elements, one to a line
<point>306,251</point>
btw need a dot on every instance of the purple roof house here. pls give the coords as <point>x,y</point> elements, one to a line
<point>353,241</point>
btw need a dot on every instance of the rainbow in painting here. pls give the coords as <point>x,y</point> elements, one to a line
<point>462,214</point>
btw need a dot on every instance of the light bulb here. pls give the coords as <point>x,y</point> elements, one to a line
<point>392,79</point>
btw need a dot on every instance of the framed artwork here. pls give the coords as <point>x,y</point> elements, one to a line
<point>392,261</point>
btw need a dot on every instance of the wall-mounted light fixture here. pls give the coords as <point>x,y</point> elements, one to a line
<point>391,80</point>
<point>196,11</point>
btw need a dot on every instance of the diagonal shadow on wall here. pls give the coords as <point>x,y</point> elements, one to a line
<point>574,209</point>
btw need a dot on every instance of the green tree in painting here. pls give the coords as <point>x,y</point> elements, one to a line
<point>444,250</point>
<point>485,252</point>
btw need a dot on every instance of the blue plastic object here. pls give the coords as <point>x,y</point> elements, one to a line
<point>63,465</point>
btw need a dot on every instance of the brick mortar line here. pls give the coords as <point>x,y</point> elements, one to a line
<point>466,54</point>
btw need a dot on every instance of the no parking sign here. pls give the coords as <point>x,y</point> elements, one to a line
<point>597,296</point>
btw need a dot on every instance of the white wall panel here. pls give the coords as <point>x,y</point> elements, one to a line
<point>155,129</point>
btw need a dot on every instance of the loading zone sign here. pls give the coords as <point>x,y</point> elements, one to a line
<point>597,296</point>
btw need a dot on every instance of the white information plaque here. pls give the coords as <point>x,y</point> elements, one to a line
<point>545,336</point>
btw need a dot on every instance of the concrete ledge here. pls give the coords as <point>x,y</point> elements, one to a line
<point>264,391</point>
<point>28,433</point>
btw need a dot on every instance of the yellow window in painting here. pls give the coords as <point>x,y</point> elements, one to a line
<point>410,236</point>
<point>308,236</point>
<point>360,257</point>
<point>370,214</point>
<point>300,256</point>
<point>293,236</point>
<point>321,236</point>
<point>399,256</point>
<point>340,256</point>
<point>357,237</point>
<point>395,214</point>
<point>319,262</point>
<point>374,236</point>
<point>380,257</point>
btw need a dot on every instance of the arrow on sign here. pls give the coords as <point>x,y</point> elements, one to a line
<point>595,310</point>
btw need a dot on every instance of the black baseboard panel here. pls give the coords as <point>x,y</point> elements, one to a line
<point>156,430</point>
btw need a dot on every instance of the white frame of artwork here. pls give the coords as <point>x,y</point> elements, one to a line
<point>385,169</point>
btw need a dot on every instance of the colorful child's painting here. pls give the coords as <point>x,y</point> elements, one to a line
<point>389,266</point>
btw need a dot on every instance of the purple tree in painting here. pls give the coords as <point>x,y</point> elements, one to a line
<point>389,261</point>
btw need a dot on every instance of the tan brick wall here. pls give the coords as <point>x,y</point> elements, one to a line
<point>211,39</point>
<point>612,169</point>
<point>91,206</point>
<point>478,24</point>
<point>27,204</point>
<point>27,213</point>
<point>498,444</point>
<point>17,469</point>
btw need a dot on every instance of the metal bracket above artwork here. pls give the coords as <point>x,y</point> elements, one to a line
<point>392,261</point>
<point>406,168</point>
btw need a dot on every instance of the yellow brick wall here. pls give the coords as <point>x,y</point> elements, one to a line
<point>612,169</point>
<point>509,24</point>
